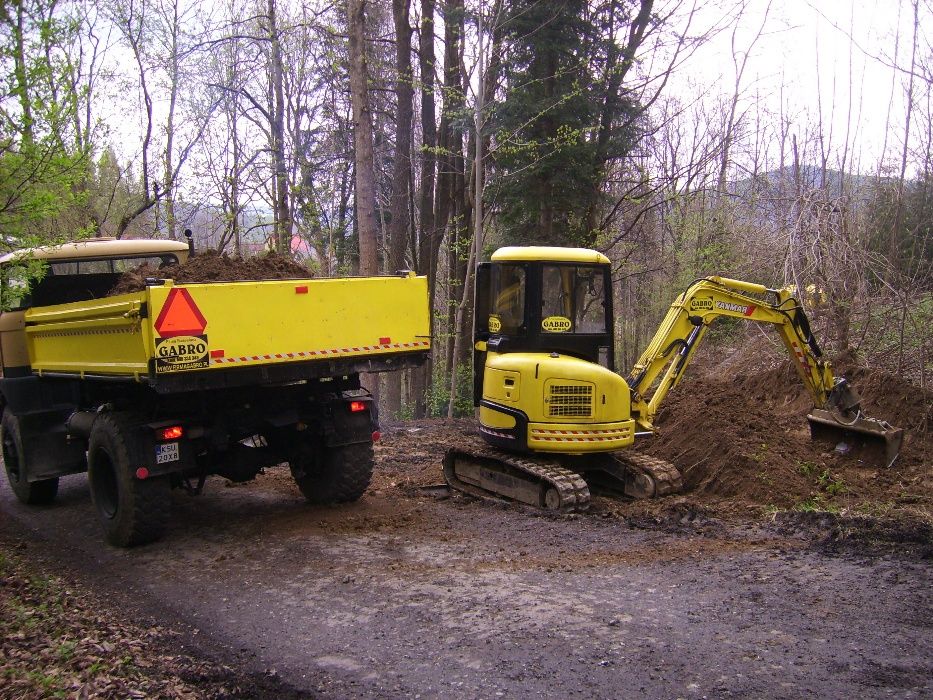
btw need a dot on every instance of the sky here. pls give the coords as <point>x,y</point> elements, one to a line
<point>805,59</point>
<point>803,65</point>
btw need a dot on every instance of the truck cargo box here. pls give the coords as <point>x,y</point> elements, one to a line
<point>180,337</point>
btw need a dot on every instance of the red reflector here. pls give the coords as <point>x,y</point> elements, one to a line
<point>377,436</point>
<point>173,432</point>
<point>357,406</point>
<point>301,289</point>
<point>385,341</point>
<point>217,353</point>
<point>142,473</point>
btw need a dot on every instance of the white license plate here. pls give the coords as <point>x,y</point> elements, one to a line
<point>167,453</point>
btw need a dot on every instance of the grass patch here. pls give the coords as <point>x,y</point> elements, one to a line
<point>816,504</point>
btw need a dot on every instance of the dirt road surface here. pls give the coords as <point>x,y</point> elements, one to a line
<point>405,594</point>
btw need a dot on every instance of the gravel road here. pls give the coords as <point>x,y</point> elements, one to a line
<point>418,596</point>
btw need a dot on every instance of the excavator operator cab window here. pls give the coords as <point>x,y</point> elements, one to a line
<point>573,299</point>
<point>507,315</point>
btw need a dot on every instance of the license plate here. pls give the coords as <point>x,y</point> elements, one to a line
<point>167,453</point>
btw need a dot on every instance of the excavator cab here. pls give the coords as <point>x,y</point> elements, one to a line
<point>543,369</point>
<point>546,305</point>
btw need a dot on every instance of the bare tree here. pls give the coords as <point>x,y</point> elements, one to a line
<point>399,223</point>
<point>367,228</point>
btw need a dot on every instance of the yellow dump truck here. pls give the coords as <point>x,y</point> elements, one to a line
<point>160,388</point>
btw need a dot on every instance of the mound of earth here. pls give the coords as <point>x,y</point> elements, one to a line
<point>746,438</point>
<point>212,266</point>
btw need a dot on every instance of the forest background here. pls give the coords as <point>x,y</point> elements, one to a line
<point>367,137</point>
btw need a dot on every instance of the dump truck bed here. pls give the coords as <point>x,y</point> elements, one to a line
<point>179,337</point>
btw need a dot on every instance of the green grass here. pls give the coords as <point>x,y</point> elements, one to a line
<point>832,485</point>
<point>807,469</point>
<point>816,504</point>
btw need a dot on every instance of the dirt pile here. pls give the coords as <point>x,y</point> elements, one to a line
<point>747,438</point>
<point>211,266</point>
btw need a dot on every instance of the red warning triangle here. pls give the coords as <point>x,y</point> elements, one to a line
<point>180,315</point>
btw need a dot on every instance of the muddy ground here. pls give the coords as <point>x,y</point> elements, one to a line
<point>414,593</point>
<point>785,570</point>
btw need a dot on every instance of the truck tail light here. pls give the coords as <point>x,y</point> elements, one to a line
<point>357,406</point>
<point>172,432</point>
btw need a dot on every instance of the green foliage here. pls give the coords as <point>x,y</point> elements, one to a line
<point>908,240</point>
<point>549,157</point>
<point>816,504</point>
<point>832,485</point>
<point>897,328</point>
<point>43,158</point>
<point>807,469</point>
<point>438,396</point>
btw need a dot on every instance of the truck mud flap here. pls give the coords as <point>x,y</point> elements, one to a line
<point>346,427</point>
<point>47,449</point>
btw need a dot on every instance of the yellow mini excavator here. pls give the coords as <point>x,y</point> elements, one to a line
<point>552,410</point>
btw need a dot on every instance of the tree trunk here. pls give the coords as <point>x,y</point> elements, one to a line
<point>450,146</point>
<point>365,195</point>
<point>461,331</point>
<point>401,172</point>
<point>169,178</point>
<point>429,238</point>
<point>367,228</point>
<point>277,127</point>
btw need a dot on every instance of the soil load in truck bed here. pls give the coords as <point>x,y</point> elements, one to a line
<point>211,266</point>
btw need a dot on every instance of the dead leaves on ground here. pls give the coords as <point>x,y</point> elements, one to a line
<point>57,640</point>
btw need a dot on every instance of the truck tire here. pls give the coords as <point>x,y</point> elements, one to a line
<point>14,460</point>
<point>337,474</point>
<point>132,511</point>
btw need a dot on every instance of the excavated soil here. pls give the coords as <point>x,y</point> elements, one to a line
<point>211,266</point>
<point>747,439</point>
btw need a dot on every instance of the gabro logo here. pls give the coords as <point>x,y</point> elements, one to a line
<point>182,349</point>
<point>701,304</point>
<point>556,324</point>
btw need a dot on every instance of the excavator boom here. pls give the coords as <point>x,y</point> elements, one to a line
<point>837,411</point>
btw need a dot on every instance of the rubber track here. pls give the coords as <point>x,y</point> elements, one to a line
<point>573,490</point>
<point>666,477</point>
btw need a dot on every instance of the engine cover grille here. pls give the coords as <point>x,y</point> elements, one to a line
<point>570,400</point>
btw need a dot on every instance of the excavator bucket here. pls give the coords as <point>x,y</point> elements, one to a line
<point>874,435</point>
<point>842,421</point>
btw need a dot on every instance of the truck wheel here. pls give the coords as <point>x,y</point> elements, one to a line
<point>335,474</point>
<point>132,511</point>
<point>31,493</point>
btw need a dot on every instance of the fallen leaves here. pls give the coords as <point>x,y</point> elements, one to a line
<point>57,640</point>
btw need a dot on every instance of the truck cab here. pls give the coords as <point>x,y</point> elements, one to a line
<point>77,271</point>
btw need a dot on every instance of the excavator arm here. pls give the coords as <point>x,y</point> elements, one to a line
<point>661,366</point>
